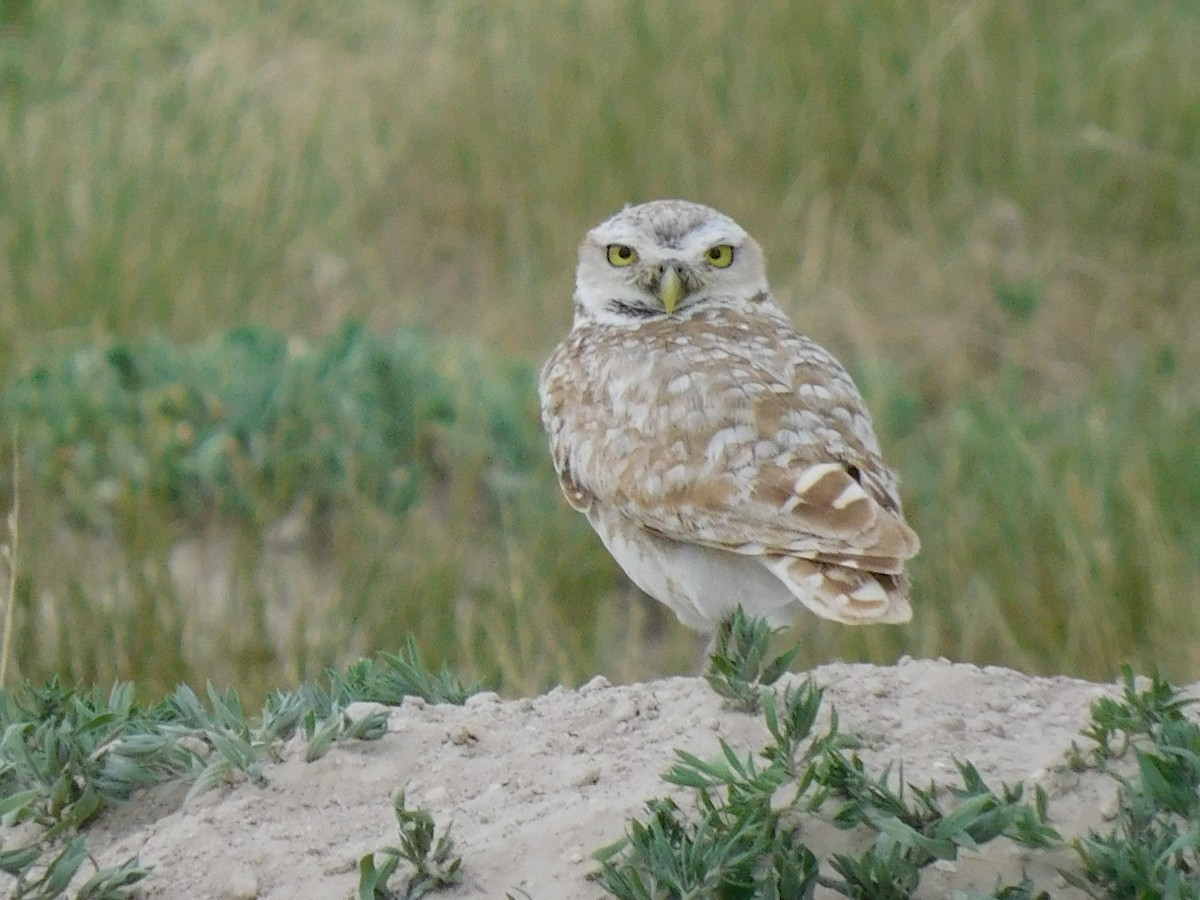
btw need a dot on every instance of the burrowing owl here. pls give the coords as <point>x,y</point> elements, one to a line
<point>723,457</point>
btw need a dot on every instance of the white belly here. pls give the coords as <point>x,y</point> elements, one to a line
<point>703,586</point>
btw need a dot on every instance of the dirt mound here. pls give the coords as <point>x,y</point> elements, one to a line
<point>532,787</point>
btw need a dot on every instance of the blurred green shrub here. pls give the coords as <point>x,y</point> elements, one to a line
<point>241,424</point>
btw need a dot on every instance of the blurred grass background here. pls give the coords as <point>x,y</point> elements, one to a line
<point>275,281</point>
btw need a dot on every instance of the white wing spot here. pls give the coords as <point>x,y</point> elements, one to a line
<point>870,591</point>
<point>852,493</point>
<point>812,475</point>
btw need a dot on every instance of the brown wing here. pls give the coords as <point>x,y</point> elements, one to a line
<point>725,433</point>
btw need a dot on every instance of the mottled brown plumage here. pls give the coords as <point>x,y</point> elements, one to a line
<point>723,457</point>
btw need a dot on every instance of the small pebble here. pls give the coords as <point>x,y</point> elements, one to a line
<point>463,735</point>
<point>1110,807</point>
<point>483,698</point>
<point>624,710</point>
<point>587,776</point>
<point>598,683</point>
<point>242,884</point>
<point>195,745</point>
<point>360,709</point>
<point>1057,782</point>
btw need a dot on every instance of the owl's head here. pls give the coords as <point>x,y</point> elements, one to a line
<point>666,258</point>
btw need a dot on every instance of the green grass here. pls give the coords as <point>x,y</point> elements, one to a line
<point>989,212</point>
<point>250,506</point>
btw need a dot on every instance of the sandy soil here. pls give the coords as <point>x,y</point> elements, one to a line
<point>533,786</point>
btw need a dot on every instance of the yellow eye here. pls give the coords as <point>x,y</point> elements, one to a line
<point>720,255</point>
<point>621,255</point>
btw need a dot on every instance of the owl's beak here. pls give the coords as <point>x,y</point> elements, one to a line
<point>670,288</point>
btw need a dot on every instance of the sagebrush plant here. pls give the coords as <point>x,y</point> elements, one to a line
<point>738,663</point>
<point>43,876</point>
<point>67,754</point>
<point>1153,850</point>
<point>241,425</point>
<point>743,836</point>
<point>740,833</point>
<point>431,863</point>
